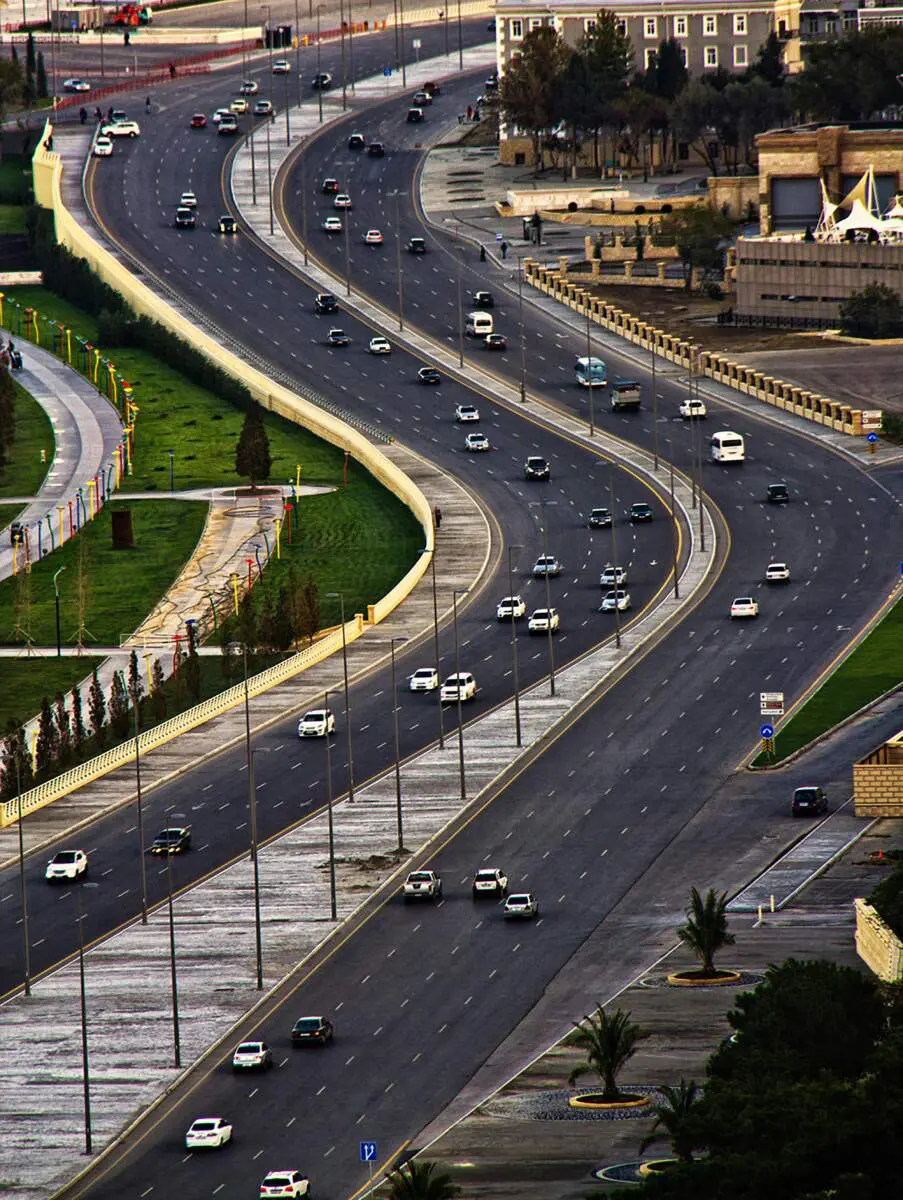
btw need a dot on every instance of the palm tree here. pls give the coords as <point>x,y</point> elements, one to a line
<point>671,1119</point>
<point>610,1042</point>
<point>420,1181</point>
<point>706,930</point>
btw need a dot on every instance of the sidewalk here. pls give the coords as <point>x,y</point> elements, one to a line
<point>87,431</point>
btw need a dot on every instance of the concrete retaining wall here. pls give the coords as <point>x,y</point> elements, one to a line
<point>877,945</point>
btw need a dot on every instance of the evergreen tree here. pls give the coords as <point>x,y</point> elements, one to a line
<point>769,64</point>
<point>136,687</point>
<point>252,455</point>
<point>41,78</point>
<point>311,610</point>
<point>529,91</point>
<point>119,707</point>
<point>63,731</point>
<point>79,732</point>
<point>97,710</point>
<point>158,692</point>
<point>15,750</point>
<point>48,739</point>
<point>30,56</point>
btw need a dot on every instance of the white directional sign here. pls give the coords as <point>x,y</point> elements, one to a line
<point>771,704</point>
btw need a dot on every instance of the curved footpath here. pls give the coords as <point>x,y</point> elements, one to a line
<point>87,431</point>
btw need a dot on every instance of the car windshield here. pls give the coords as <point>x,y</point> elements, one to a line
<point>249,1048</point>
<point>486,875</point>
<point>308,1024</point>
<point>420,877</point>
<point>170,835</point>
<point>203,1126</point>
<point>66,856</point>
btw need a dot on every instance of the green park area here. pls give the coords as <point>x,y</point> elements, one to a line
<point>24,471</point>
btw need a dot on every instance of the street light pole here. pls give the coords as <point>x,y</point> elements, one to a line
<point>404,73</point>
<point>341,599</point>
<point>20,814</point>
<point>304,201</point>
<point>589,374</point>
<point>398,266</point>
<point>398,812</point>
<point>143,871</point>
<point>319,69</point>
<point>523,339</point>
<point>345,223</point>
<point>654,410</point>
<point>342,40</point>
<point>549,612</point>
<point>460,312</point>
<point>86,1066</point>
<point>288,130</point>
<point>426,550</point>
<point>517,727</point>
<point>674,534</point>
<point>460,41</point>
<point>333,907</point>
<point>270,177</point>
<point>173,976</point>
<point>298,55</point>
<point>252,813</point>
<point>455,594</point>
<point>253,157</point>
<point>614,554</point>
<point>56,599</point>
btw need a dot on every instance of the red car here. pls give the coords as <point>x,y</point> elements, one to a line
<point>496,341</point>
<point>198,121</point>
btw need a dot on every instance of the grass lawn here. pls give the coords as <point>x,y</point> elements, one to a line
<point>12,218</point>
<point>8,513</point>
<point>122,585</point>
<point>25,681</point>
<point>24,472</point>
<point>872,669</point>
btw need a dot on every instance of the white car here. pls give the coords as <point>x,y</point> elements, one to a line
<point>424,679</point>
<point>284,1185</point>
<point>67,864</point>
<point>220,113</point>
<point>373,237</point>
<point>121,129</point>
<point>332,225</point>
<point>422,885</point>
<point>744,606</point>
<point>249,88</point>
<point>317,723</point>
<point>777,572</point>
<point>208,1133</point>
<point>76,85</point>
<point>476,442</point>
<point>461,686</point>
<point>252,1056</point>
<point>522,904</point>
<point>546,564</point>
<point>103,147</point>
<point>510,607</point>
<point>693,408</point>
<point>282,67</point>
<point>188,200</point>
<point>543,620</point>
<point>467,412</point>
<point>613,576</point>
<point>342,200</point>
<point>490,881</point>
<point>617,599</point>
<point>379,345</point>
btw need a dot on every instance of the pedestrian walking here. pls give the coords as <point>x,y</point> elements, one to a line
<point>147,104</point>
<point>437,516</point>
<point>482,254</point>
<point>504,250</point>
<point>98,115</point>
<point>83,115</point>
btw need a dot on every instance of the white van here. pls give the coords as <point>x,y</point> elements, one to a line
<point>479,324</point>
<point>728,447</point>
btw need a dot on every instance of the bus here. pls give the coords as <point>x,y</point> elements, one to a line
<point>728,447</point>
<point>591,372</point>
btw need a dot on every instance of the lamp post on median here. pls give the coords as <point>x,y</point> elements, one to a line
<point>517,727</point>
<point>140,822</point>
<point>342,40</point>
<point>173,976</point>
<point>455,594</point>
<point>398,813</point>
<point>673,528</point>
<point>614,553</point>
<point>270,176</point>
<point>589,373</point>
<point>404,73</point>
<point>56,600</point>
<point>345,229</point>
<point>268,34</point>
<point>333,907</point>
<point>460,310</point>
<point>252,816</point>
<point>541,505</point>
<point>426,550</point>
<point>319,69</point>
<point>341,599</point>
<point>86,1066</point>
<point>398,265</point>
<point>288,128</point>
<point>460,41</point>
<point>298,55</point>
<point>304,201</point>
<point>523,338</point>
<point>250,116</point>
<point>25,947</point>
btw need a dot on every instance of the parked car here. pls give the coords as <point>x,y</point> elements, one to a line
<point>67,865</point>
<point>424,679</point>
<point>522,905</point>
<point>317,723</point>
<point>307,1030</point>
<point>252,1056</point>
<point>809,801</point>
<point>208,1133</point>
<point>489,881</point>
<point>744,606</point>
<point>460,685</point>
<point>510,608</point>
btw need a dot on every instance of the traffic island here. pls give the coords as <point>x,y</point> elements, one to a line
<point>700,978</point>
<point>657,1166</point>
<point>598,1102</point>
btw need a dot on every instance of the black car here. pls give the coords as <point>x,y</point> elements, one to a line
<point>227,225</point>
<point>429,375</point>
<point>357,141</point>
<point>778,493</point>
<point>16,533</point>
<point>338,337</point>
<point>186,218</point>
<point>483,300</point>
<point>321,82</point>
<point>171,841</point>
<point>600,518</point>
<point>640,512</point>
<point>537,468</point>
<point>415,116</point>
<point>312,1029</point>
<point>325,302</point>
<point>416,245</point>
<point>809,801</point>
<point>376,150</point>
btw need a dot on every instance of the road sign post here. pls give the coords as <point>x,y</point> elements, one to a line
<point>771,704</point>
<point>872,440</point>
<point>767,734</point>
<point>368,1156</point>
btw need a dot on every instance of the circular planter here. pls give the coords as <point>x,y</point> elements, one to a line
<point>657,1166</point>
<point>697,979</point>
<point>595,1101</point>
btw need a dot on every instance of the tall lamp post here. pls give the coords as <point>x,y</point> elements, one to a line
<point>674,563</point>
<point>460,41</point>
<point>341,599</point>
<point>253,157</point>
<point>25,947</point>
<point>523,338</point>
<point>56,601</point>
<point>143,868</point>
<point>86,1066</point>
<point>614,553</point>
<point>173,975</point>
<point>270,176</point>
<point>398,265</point>
<point>426,550</point>
<point>589,373</point>
<point>252,812</point>
<point>345,229</point>
<point>342,39</point>
<point>333,907</point>
<point>455,594</point>
<point>304,201</point>
<point>298,54</point>
<point>404,73</point>
<point>541,505</point>
<point>398,813</point>
<point>319,69</point>
<point>517,727</point>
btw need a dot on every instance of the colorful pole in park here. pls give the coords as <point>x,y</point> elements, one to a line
<point>49,520</point>
<point>278,538</point>
<point>287,509</point>
<point>61,508</point>
<point>69,345</point>
<point>250,562</point>
<point>92,484</point>
<point>235,592</point>
<point>70,519</point>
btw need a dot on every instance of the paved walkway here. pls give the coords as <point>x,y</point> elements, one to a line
<point>87,431</point>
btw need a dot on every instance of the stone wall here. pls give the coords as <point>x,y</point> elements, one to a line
<point>878,789</point>
<point>877,945</point>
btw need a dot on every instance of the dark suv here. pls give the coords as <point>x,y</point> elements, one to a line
<point>640,512</point>
<point>809,801</point>
<point>318,1030</point>
<point>536,468</point>
<point>778,493</point>
<point>325,302</point>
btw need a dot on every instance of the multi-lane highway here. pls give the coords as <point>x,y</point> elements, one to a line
<point>422,997</point>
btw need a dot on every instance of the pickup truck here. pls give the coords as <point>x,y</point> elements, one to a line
<point>625,394</point>
<point>422,885</point>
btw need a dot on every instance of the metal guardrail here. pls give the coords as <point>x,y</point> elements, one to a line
<point>152,739</point>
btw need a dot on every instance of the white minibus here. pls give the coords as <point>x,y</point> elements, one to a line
<point>728,447</point>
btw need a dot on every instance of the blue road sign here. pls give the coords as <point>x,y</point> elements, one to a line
<point>387,71</point>
<point>766,731</point>
<point>368,1152</point>
<point>872,437</point>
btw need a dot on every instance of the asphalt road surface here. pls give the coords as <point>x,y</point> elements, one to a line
<point>422,996</point>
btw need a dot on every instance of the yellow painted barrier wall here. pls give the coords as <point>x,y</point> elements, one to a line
<point>877,945</point>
